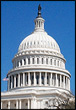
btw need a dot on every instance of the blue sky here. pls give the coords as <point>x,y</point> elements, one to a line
<point>17,21</point>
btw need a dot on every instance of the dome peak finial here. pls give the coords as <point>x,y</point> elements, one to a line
<point>39,7</point>
<point>39,11</point>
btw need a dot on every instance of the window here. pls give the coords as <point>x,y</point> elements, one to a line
<point>16,80</point>
<point>28,60</point>
<point>51,61</point>
<point>47,79</point>
<point>54,62</point>
<point>42,60</point>
<point>26,104</point>
<point>32,60</point>
<point>13,81</point>
<point>37,60</point>
<point>32,79</point>
<point>58,63</point>
<point>62,78</point>
<point>42,79</point>
<point>20,62</point>
<point>10,81</point>
<point>24,62</point>
<point>37,77</point>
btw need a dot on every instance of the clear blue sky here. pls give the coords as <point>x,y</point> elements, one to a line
<point>17,21</point>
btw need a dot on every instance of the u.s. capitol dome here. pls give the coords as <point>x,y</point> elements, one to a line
<point>39,75</point>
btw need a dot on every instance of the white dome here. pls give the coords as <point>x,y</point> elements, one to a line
<point>39,40</point>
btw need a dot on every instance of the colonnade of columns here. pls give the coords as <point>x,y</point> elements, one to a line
<point>38,60</point>
<point>16,104</point>
<point>38,79</point>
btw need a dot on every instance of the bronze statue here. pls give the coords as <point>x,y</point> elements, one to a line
<point>39,7</point>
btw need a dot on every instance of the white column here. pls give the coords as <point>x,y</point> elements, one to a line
<point>52,61</point>
<point>26,61</point>
<point>23,79</point>
<point>33,103</point>
<point>22,62</point>
<point>14,81</point>
<point>49,60</point>
<point>28,104</point>
<point>69,83</point>
<point>34,78</point>
<point>9,104</point>
<point>19,80</point>
<point>44,60</point>
<point>19,63</point>
<point>30,60</point>
<point>64,82</point>
<point>11,82</point>
<point>60,81</point>
<point>51,79</point>
<point>8,83</point>
<point>45,78</point>
<point>20,104</point>
<point>40,79</point>
<point>35,60</point>
<point>29,78</point>
<point>16,104</point>
<point>1,104</point>
<point>40,60</point>
<point>56,81</point>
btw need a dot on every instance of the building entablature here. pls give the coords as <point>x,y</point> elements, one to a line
<point>39,68</point>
